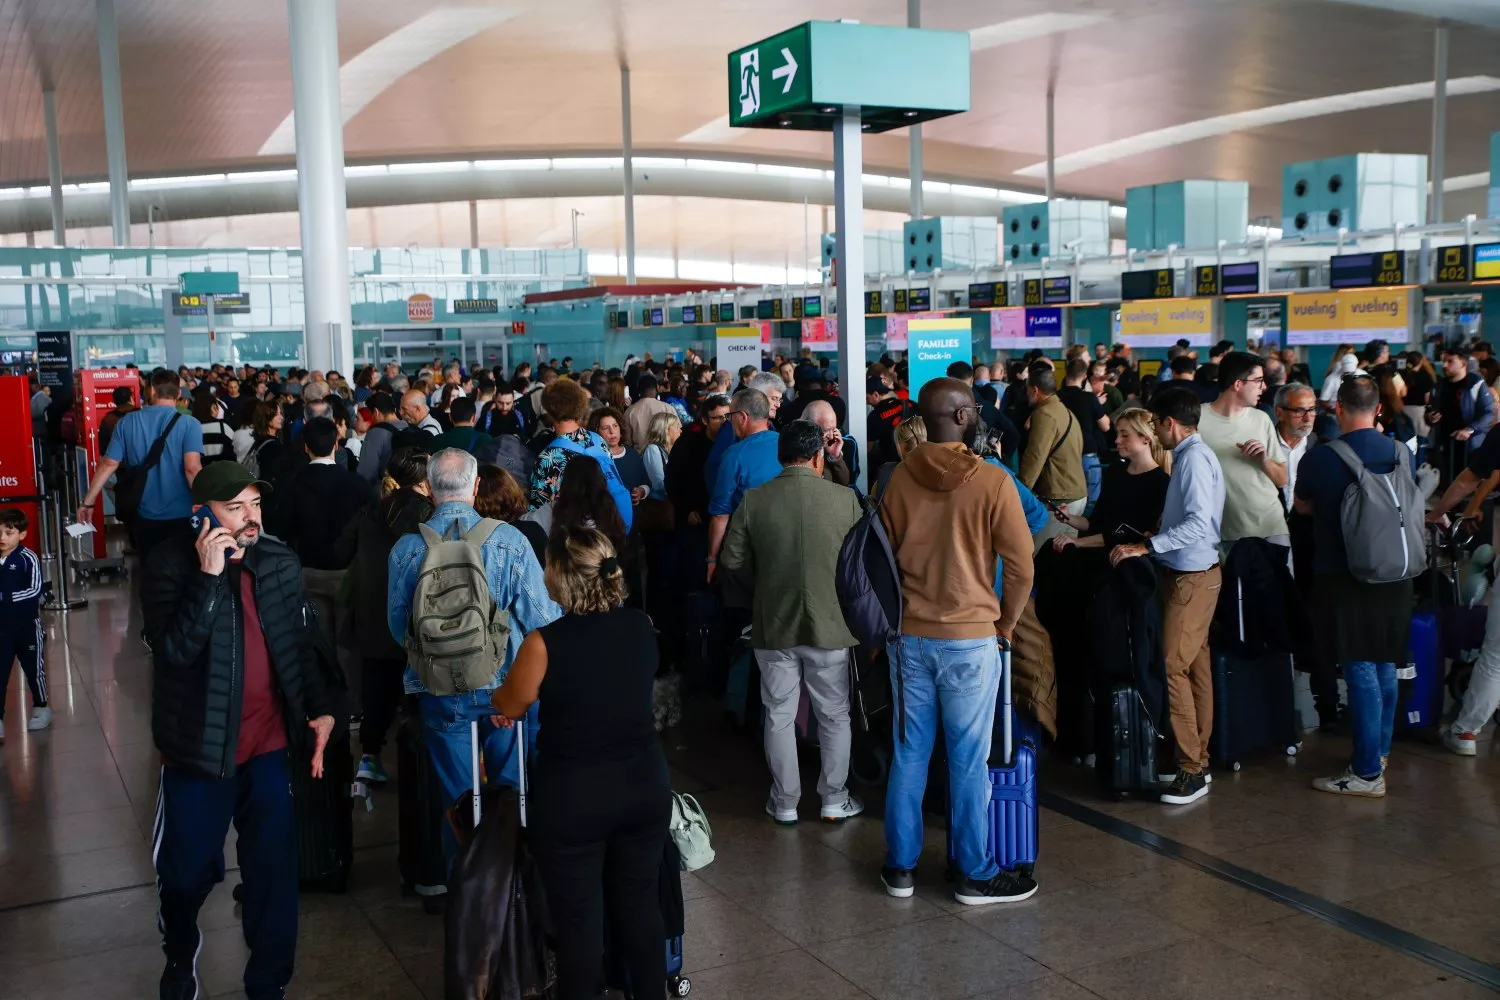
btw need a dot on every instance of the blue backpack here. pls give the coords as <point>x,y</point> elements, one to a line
<point>600,454</point>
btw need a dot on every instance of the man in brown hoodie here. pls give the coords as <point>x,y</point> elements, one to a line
<point>949,516</point>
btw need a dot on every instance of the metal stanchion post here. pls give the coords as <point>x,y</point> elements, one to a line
<point>38,457</point>
<point>61,600</point>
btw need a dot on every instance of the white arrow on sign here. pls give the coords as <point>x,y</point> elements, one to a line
<point>787,69</point>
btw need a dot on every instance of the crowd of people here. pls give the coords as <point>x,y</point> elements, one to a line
<point>290,526</point>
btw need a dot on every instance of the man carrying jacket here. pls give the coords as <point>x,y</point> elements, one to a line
<point>236,684</point>
<point>950,515</point>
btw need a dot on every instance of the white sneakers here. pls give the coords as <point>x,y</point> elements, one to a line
<point>848,809</point>
<point>1350,783</point>
<point>1463,744</point>
<point>41,718</point>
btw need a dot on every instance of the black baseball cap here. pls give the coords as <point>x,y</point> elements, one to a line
<point>223,481</point>
<point>875,383</point>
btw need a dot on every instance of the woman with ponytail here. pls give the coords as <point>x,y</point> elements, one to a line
<point>600,798</point>
<point>1132,494</point>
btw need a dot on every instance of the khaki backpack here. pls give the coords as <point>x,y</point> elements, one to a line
<point>456,635</point>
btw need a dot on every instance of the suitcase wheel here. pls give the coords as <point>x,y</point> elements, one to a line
<point>679,986</point>
<point>1234,766</point>
<point>1293,749</point>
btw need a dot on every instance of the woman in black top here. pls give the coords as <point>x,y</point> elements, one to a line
<point>601,798</point>
<point>1132,495</point>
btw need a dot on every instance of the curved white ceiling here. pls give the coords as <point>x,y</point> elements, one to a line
<point>367,75</point>
<point>1276,114</point>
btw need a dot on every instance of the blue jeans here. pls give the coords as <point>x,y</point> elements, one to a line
<point>446,729</point>
<point>957,680</point>
<point>1093,476</point>
<point>1372,712</point>
<point>193,814</point>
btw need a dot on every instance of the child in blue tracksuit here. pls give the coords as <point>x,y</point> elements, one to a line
<point>21,618</point>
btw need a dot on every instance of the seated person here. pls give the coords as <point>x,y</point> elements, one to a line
<point>1132,495</point>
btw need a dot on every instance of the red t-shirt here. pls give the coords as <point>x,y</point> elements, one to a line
<point>262,723</point>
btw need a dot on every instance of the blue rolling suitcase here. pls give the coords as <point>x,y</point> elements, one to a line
<point>1012,816</point>
<point>1421,684</point>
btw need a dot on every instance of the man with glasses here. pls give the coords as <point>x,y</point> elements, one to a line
<point>753,459</point>
<point>1244,441</point>
<point>1296,411</point>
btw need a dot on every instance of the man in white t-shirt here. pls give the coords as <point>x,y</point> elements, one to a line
<point>1248,448</point>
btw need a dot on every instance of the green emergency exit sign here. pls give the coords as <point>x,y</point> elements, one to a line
<point>209,283</point>
<point>803,77</point>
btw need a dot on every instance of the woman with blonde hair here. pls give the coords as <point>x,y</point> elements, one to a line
<point>662,433</point>
<point>600,796</point>
<point>1133,493</point>
<point>909,435</point>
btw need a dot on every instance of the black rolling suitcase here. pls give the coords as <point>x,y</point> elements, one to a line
<point>1127,757</point>
<point>419,814</point>
<point>325,817</point>
<point>1254,700</point>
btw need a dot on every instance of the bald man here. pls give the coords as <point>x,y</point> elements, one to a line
<point>950,515</point>
<point>835,462</point>
<point>415,412</point>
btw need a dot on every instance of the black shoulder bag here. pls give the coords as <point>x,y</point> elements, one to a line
<point>130,480</point>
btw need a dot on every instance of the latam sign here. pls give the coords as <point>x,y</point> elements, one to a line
<point>1024,329</point>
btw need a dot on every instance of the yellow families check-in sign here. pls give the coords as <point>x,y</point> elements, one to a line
<point>1162,324</point>
<point>1349,317</point>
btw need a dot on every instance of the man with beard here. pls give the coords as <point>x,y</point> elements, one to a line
<point>236,685</point>
<point>949,514</point>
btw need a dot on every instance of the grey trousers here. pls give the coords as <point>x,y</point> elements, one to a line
<point>826,674</point>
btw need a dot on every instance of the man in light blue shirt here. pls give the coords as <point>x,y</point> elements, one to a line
<point>775,390</point>
<point>1187,550</point>
<point>750,461</point>
<point>515,580</point>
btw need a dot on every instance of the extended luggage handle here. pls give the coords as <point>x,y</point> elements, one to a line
<point>476,714</point>
<point>1007,737</point>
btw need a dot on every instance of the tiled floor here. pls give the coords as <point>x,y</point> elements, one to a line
<point>786,913</point>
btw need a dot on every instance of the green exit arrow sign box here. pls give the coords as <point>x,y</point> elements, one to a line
<point>804,77</point>
<point>209,283</point>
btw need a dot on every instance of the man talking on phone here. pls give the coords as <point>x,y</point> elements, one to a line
<point>237,697</point>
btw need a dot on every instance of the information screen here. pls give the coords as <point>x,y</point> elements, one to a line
<point>1157,283</point>
<point>812,306</point>
<point>1364,270</point>
<point>989,295</point>
<point>657,317</point>
<point>1048,291</point>
<point>874,306</point>
<point>692,314</point>
<point>1486,262</point>
<point>919,299</point>
<point>1239,279</point>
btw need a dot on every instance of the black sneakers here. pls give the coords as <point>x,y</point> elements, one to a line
<point>179,982</point>
<point>899,882</point>
<point>1184,788</point>
<point>1006,887</point>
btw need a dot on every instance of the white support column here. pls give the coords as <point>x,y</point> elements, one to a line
<point>849,224</point>
<point>1051,149</point>
<point>114,122</point>
<point>1435,163</point>
<point>626,148</point>
<point>321,201</point>
<point>914,134</point>
<point>54,169</point>
<point>473,224</point>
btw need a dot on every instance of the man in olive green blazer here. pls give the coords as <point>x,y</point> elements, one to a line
<point>785,538</point>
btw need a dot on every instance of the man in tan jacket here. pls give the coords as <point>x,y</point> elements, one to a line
<point>1052,465</point>
<point>949,515</point>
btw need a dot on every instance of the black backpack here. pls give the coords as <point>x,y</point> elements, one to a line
<point>868,582</point>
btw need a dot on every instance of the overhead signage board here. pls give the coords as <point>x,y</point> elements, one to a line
<point>54,359</point>
<point>1162,324</point>
<point>1019,329</point>
<point>209,283</point>
<point>692,314</point>
<point>1156,283</point>
<point>1486,262</point>
<point>1206,280</point>
<point>621,319</point>
<point>460,307</point>
<point>933,345</point>
<point>738,346</point>
<point>797,307</point>
<point>1349,316</point>
<point>1451,264</point>
<point>197,305</point>
<point>803,77</point>
<point>812,306</point>
<point>1367,270</point>
<point>658,316</point>
<point>1239,279</point>
<point>919,299</point>
<point>899,303</point>
<point>874,305</point>
<point>989,295</point>
<point>1047,291</point>
<point>769,309</point>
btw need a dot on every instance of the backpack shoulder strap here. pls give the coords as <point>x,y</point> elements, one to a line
<point>429,534</point>
<point>1349,458</point>
<point>481,532</point>
<point>153,457</point>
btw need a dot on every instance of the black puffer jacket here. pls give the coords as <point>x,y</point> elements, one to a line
<point>195,624</point>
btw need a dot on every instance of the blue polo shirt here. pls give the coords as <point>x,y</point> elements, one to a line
<point>166,497</point>
<point>748,463</point>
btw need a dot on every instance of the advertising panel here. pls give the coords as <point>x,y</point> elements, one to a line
<point>936,344</point>
<point>1024,329</point>
<point>1162,324</point>
<point>1349,316</point>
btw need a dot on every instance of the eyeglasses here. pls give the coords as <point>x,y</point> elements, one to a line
<point>1299,411</point>
<point>1259,378</point>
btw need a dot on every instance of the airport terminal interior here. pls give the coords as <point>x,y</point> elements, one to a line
<point>330,184</point>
